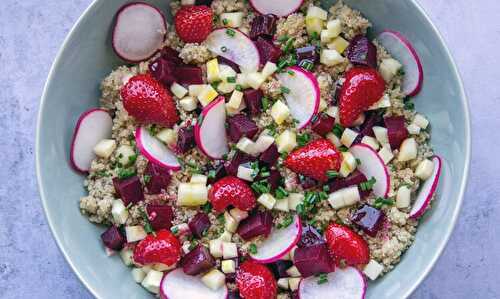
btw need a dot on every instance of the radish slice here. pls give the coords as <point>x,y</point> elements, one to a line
<point>93,126</point>
<point>210,131</point>
<point>139,31</point>
<point>154,150</point>
<point>279,243</point>
<point>372,165</point>
<point>178,285</point>
<point>236,46</point>
<point>304,96</point>
<point>404,52</point>
<point>427,190</point>
<point>347,283</point>
<point>281,8</point>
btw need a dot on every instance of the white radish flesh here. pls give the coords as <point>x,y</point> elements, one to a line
<point>427,190</point>
<point>178,285</point>
<point>280,8</point>
<point>372,165</point>
<point>154,150</point>
<point>347,283</point>
<point>210,134</point>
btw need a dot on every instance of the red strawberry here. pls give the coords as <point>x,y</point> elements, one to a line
<point>194,23</point>
<point>347,245</point>
<point>231,191</point>
<point>315,159</point>
<point>255,281</point>
<point>164,248</point>
<point>148,101</point>
<point>362,88</point>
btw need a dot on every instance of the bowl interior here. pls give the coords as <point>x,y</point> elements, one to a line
<point>73,86</point>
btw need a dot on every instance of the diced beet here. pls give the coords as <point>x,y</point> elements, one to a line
<point>129,190</point>
<point>308,53</point>
<point>113,238</point>
<point>231,277</point>
<point>234,66</point>
<point>354,178</point>
<point>307,182</point>
<point>172,55</point>
<point>189,75</point>
<point>323,124</point>
<point>233,294</point>
<point>313,260</point>
<point>396,130</point>
<point>267,50</point>
<point>279,268</point>
<point>160,216</point>
<point>310,236</point>
<point>369,219</point>
<point>163,71</point>
<point>204,2</point>
<point>257,224</point>
<point>199,224</point>
<point>274,179</point>
<point>270,155</point>
<point>185,139</point>
<point>158,178</point>
<point>197,261</point>
<point>253,100</point>
<point>216,172</point>
<point>295,294</point>
<point>263,25</point>
<point>361,51</point>
<point>238,159</point>
<point>241,125</point>
<point>372,119</point>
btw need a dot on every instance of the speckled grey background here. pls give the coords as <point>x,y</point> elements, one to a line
<point>31,266</point>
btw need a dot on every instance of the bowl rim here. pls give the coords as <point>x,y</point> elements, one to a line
<point>441,246</point>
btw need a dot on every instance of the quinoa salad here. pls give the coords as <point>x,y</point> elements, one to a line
<point>256,150</point>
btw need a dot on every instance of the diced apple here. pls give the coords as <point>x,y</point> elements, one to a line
<point>225,87</point>
<point>199,179</point>
<point>246,173</point>
<point>381,134</point>
<point>403,197</point>
<point>167,136</point>
<point>348,164</point>
<point>192,195</point>
<point>282,205</point>
<point>188,2</point>
<point>135,233</point>
<point>138,275</point>
<point>315,12</point>
<point>178,90</point>
<point>421,121</point>
<point>280,112</point>
<point>188,103</point>
<point>348,137</point>
<point>229,250</point>
<point>152,281</point>
<point>146,269</point>
<point>231,111</point>
<point>333,111</point>
<point>267,200</point>
<point>373,269</point>
<point>389,68</point>
<point>339,44</point>
<point>126,255</point>
<point>232,19</point>
<point>408,150</point>
<point>226,236</point>
<point>334,27</point>
<point>214,279</point>
<point>215,247</point>
<point>235,100</point>
<point>283,283</point>
<point>323,105</point>
<point>294,283</point>
<point>162,267</point>
<point>230,224</point>
<point>246,145</point>
<point>326,36</point>
<point>334,139</point>
<point>286,141</point>
<point>330,57</point>
<point>314,26</point>
<point>124,153</point>
<point>269,69</point>
<point>424,169</point>
<point>295,199</point>
<point>371,142</point>
<point>119,212</point>
<point>413,129</point>
<point>105,148</point>
<point>386,154</point>
<point>384,102</point>
<point>263,143</point>
<point>228,266</point>
<point>293,272</point>
<point>255,80</point>
<point>195,89</point>
<point>213,73</point>
<point>241,79</point>
<point>344,197</point>
<point>207,95</point>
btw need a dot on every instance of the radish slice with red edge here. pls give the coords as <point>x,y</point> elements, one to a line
<point>427,190</point>
<point>347,283</point>
<point>210,131</point>
<point>93,126</point>
<point>139,31</point>
<point>302,96</point>
<point>178,285</point>
<point>372,165</point>
<point>280,8</point>
<point>278,243</point>
<point>402,50</point>
<point>235,46</point>
<point>154,150</point>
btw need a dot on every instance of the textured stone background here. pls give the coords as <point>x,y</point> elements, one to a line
<point>31,266</point>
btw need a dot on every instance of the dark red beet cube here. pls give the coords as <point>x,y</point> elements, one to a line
<point>310,236</point>
<point>270,155</point>
<point>163,71</point>
<point>197,261</point>
<point>279,268</point>
<point>160,216</point>
<point>113,238</point>
<point>241,125</point>
<point>258,224</point>
<point>295,294</point>
<point>158,178</point>
<point>267,50</point>
<point>274,179</point>
<point>263,25</point>
<point>185,139</point>
<point>396,130</point>
<point>233,294</point>
<point>313,260</point>
<point>361,51</point>
<point>238,159</point>
<point>307,182</point>
<point>323,124</point>
<point>216,172</point>
<point>309,53</point>
<point>203,2</point>
<point>369,219</point>
<point>129,190</point>
<point>199,224</point>
<point>234,66</point>
<point>253,100</point>
<point>189,75</point>
<point>172,55</point>
<point>372,119</point>
<point>354,178</point>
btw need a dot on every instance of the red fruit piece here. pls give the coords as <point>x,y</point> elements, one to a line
<point>362,88</point>
<point>231,191</point>
<point>315,159</point>
<point>163,248</point>
<point>194,23</point>
<point>256,281</point>
<point>347,245</point>
<point>149,102</point>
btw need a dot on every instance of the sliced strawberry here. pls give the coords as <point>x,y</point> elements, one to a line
<point>231,191</point>
<point>149,102</point>
<point>194,23</point>
<point>163,248</point>
<point>315,159</point>
<point>362,88</point>
<point>347,245</point>
<point>256,281</point>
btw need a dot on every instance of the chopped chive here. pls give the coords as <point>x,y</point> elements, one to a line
<point>225,21</point>
<point>230,32</point>
<point>368,185</point>
<point>211,174</point>
<point>283,38</point>
<point>238,87</point>
<point>338,130</point>
<point>265,103</point>
<point>380,202</point>
<point>322,278</point>
<point>231,79</point>
<point>285,89</point>
<point>125,173</point>
<point>252,248</point>
<point>281,193</point>
<point>332,174</point>
<point>303,139</point>
<point>147,178</point>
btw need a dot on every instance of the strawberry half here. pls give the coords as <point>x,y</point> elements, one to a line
<point>194,23</point>
<point>231,191</point>
<point>163,248</point>
<point>149,102</point>
<point>347,245</point>
<point>315,159</point>
<point>362,88</point>
<point>256,281</point>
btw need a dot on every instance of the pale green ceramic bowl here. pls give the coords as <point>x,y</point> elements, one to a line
<point>73,87</point>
